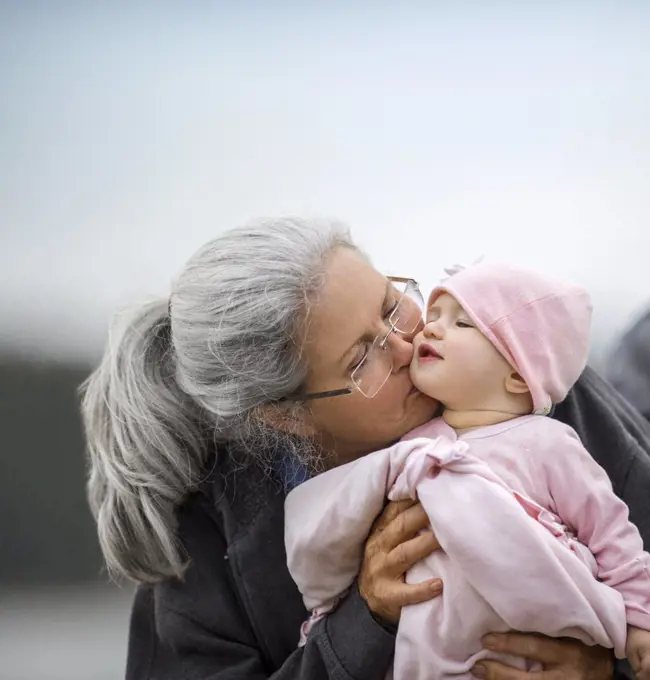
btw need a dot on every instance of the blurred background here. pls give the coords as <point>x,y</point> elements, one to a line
<point>132,132</point>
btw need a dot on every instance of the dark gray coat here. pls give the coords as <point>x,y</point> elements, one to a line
<point>629,365</point>
<point>237,614</point>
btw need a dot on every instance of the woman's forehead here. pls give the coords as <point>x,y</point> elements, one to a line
<point>350,280</point>
<point>350,299</point>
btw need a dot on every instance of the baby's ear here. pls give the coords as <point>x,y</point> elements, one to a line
<point>515,384</point>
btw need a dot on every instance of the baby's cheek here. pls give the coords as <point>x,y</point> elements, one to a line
<point>469,371</point>
<point>420,378</point>
<point>465,357</point>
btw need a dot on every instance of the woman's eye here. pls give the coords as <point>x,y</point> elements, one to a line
<point>359,357</point>
<point>464,324</point>
<point>391,308</point>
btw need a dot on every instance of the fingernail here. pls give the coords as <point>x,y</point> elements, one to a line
<point>436,585</point>
<point>479,671</point>
<point>490,642</point>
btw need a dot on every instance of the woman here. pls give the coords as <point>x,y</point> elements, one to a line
<point>208,407</point>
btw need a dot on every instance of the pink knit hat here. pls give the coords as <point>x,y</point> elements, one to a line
<point>540,325</point>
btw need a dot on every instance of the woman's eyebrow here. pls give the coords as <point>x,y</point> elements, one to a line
<point>365,335</point>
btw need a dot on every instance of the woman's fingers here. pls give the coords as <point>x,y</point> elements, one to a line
<point>401,558</point>
<point>406,524</point>
<point>540,648</point>
<point>388,515</point>
<point>562,659</point>
<point>399,538</point>
<point>493,670</point>
<point>398,595</point>
<point>390,512</point>
<point>414,593</point>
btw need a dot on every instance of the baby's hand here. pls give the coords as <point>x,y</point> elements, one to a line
<point>638,651</point>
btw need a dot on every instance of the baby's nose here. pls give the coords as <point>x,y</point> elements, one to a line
<point>433,329</point>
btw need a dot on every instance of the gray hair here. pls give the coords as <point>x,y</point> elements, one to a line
<point>196,368</point>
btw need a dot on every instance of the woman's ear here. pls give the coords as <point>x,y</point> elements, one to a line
<point>515,384</point>
<point>289,417</point>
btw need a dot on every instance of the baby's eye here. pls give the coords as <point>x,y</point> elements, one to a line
<point>464,324</point>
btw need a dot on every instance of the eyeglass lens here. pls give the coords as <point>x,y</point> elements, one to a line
<point>375,368</point>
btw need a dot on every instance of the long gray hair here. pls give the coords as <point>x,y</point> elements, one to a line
<point>183,372</point>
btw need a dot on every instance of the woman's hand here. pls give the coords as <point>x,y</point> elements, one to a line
<point>396,542</point>
<point>561,659</point>
<point>637,650</point>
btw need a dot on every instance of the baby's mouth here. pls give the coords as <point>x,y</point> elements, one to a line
<point>427,352</point>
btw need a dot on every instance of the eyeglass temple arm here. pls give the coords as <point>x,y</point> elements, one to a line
<point>319,395</point>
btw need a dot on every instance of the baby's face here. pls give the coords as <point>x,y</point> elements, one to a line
<point>453,361</point>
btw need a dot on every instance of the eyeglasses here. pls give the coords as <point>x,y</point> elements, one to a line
<point>375,367</point>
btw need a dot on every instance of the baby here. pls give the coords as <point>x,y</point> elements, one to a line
<point>533,537</point>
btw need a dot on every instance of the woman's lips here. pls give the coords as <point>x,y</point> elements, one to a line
<point>428,353</point>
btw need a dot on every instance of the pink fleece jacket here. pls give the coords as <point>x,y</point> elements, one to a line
<point>513,506</point>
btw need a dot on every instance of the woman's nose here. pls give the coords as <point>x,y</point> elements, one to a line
<point>410,336</point>
<point>402,349</point>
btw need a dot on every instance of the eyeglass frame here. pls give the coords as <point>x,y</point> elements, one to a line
<point>349,390</point>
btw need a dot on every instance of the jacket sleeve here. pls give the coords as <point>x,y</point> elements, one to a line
<point>618,438</point>
<point>329,518</point>
<point>198,629</point>
<point>584,499</point>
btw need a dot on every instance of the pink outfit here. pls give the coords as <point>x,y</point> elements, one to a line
<point>513,506</point>
<point>540,325</point>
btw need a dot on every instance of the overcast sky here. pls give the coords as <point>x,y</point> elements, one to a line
<point>130,133</point>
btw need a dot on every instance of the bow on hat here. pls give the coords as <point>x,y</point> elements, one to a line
<point>457,268</point>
